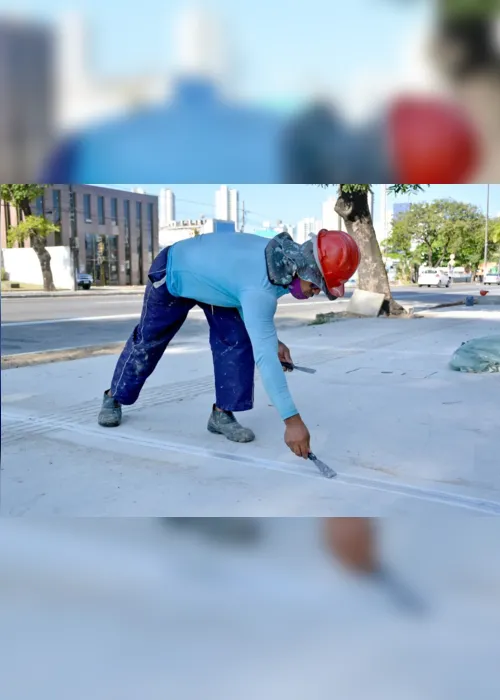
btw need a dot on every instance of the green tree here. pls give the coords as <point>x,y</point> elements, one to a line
<point>34,228</point>
<point>352,206</point>
<point>431,232</point>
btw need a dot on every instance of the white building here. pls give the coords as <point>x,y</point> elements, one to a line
<point>166,207</point>
<point>330,218</point>
<point>175,231</point>
<point>227,205</point>
<point>305,227</point>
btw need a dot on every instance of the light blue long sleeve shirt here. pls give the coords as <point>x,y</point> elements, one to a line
<point>227,269</point>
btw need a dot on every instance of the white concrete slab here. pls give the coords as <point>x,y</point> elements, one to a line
<point>364,303</point>
<point>406,434</point>
<point>127,609</point>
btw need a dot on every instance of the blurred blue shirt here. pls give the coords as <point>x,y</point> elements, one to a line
<point>230,270</point>
<point>196,137</point>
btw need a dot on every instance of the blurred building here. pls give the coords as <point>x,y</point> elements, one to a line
<point>26,97</point>
<point>116,231</point>
<point>82,97</point>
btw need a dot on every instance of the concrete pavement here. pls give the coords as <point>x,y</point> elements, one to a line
<point>406,434</point>
<point>129,608</point>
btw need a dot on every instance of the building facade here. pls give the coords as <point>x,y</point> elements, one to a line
<point>116,232</point>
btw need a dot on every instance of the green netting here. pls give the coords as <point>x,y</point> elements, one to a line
<point>478,355</point>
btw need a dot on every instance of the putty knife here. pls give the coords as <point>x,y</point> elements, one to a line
<point>289,366</point>
<point>327,471</point>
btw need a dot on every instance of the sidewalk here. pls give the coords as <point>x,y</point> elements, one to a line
<point>406,434</point>
<point>94,291</point>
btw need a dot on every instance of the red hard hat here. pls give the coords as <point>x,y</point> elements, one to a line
<point>337,255</point>
<point>432,141</point>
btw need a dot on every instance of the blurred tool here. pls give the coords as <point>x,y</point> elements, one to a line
<point>290,367</point>
<point>323,468</point>
<point>354,542</point>
<point>233,531</point>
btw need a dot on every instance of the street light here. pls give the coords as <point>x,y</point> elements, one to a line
<point>486,231</point>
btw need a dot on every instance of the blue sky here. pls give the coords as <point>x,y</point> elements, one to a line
<point>293,202</point>
<point>278,49</point>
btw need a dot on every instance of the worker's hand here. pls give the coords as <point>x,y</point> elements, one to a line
<point>284,355</point>
<point>297,436</point>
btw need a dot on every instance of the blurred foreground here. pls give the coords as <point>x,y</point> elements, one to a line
<point>147,609</point>
<point>200,100</point>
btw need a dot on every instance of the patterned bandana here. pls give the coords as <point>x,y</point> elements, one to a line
<point>285,259</point>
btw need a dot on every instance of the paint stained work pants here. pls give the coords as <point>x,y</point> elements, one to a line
<point>162,317</point>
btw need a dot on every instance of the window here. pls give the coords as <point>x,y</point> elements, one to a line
<point>138,219</point>
<point>114,211</point>
<point>150,232</point>
<point>126,210</point>
<point>100,210</point>
<point>87,208</point>
<point>39,206</point>
<point>56,206</point>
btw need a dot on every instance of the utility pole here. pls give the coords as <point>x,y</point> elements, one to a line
<point>243,217</point>
<point>73,241</point>
<point>486,231</point>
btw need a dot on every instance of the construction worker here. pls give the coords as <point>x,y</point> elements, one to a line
<point>237,281</point>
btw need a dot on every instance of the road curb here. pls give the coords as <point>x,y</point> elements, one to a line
<point>49,356</point>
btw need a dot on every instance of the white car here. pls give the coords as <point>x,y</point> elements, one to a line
<point>432,277</point>
<point>492,277</point>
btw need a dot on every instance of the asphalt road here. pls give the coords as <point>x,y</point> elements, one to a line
<point>49,323</point>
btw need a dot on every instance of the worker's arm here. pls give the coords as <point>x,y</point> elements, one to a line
<point>258,309</point>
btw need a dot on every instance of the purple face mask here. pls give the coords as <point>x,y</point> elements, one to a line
<point>296,290</point>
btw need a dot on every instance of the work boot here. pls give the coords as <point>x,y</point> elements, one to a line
<point>224,423</point>
<point>111,412</point>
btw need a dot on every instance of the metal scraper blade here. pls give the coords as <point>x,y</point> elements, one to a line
<point>327,471</point>
<point>308,370</point>
<point>289,366</point>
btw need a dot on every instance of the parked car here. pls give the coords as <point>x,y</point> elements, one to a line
<point>84,281</point>
<point>432,277</point>
<point>493,277</point>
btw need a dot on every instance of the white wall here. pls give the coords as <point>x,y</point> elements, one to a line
<point>23,265</point>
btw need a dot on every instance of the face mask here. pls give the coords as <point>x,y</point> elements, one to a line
<point>296,290</point>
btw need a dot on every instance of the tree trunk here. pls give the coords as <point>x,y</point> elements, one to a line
<point>38,245</point>
<point>354,210</point>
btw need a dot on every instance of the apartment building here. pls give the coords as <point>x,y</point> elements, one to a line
<point>116,231</point>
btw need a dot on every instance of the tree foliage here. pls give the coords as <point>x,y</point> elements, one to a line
<point>36,228</point>
<point>431,232</point>
<point>30,226</point>
<point>21,195</point>
<point>364,189</point>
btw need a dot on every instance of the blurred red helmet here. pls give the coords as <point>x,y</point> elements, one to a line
<point>337,255</point>
<point>431,141</point>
